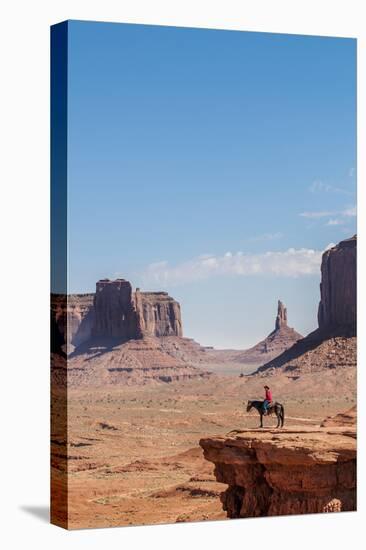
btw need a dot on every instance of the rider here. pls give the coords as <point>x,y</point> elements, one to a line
<point>267,400</point>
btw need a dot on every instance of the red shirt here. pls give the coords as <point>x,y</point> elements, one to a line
<point>268,395</point>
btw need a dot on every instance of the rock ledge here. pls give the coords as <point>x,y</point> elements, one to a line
<point>290,471</point>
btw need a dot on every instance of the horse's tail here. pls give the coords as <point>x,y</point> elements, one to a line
<point>282,415</point>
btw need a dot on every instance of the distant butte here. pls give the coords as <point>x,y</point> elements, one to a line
<point>120,336</point>
<point>113,311</point>
<point>278,341</point>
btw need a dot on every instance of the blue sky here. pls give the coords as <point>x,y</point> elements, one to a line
<point>216,165</point>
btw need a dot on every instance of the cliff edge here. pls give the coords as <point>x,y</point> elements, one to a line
<point>338,292</point>
<point>292,471</point>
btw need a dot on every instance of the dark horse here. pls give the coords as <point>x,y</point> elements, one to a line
<point>274,408</point>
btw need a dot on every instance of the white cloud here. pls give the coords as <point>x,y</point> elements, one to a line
<point>347,212</point>
<point>317,214</point>
<point>335,221</point>
<point>319,186</point>
<point>289,263</point>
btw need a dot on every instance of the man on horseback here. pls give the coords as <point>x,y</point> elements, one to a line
<point>272,407</point>
<point>267,400</point>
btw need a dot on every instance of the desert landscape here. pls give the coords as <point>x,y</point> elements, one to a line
<point>151,427</point>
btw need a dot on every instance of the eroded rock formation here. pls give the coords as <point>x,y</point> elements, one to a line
<point>120,336</point>
<point>134,362</point>
<point>337,308</point>
<point>279,340</point>
<point>281,319</point>
<point>314,354</point>
<point>72,321</point>
<point>160,315</point>
<point>114,311</point>
<point>333,344</point>
<point>122,313</point>
<point>292,471</point>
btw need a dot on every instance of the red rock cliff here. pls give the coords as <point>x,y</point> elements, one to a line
<point>337,308</point>
<point>72,320</point>
<point>122,313</point>
<point>160,314</point>
<point>294,471</point>
<point>115,311</point>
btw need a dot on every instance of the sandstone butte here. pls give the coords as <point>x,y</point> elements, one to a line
<point>118,336</point>
<point>292,471</point>
<point>338,300</point>
<point>113,311</point>
<point>278,341</point>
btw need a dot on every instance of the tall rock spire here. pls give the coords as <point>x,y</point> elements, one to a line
<point>281,319</point>
<point>279,340</point>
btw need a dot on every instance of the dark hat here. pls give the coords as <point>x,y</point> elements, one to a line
<point>266,387</point>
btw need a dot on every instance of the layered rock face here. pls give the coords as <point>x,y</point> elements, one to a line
<point>114,311</point>
<point>134,362</point>
<point>338,303</point>
<point>294,471</point>
<point>72,321</point>
<point>116,314</point>
<point>160,315</point>
<point>122,313</point>
<point>279,340</point>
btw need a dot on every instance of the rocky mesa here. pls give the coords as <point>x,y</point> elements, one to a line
<point>120,336</point>
<point>292,471</point>
<point>114,311</point>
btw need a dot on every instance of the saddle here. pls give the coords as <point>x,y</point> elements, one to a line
<point>269,408</point>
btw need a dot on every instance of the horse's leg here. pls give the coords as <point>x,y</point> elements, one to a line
<point>278,420</point>
<point>277,413</point>
<point>261,426</point>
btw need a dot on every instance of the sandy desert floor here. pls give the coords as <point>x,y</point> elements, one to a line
<point>133,454</point>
